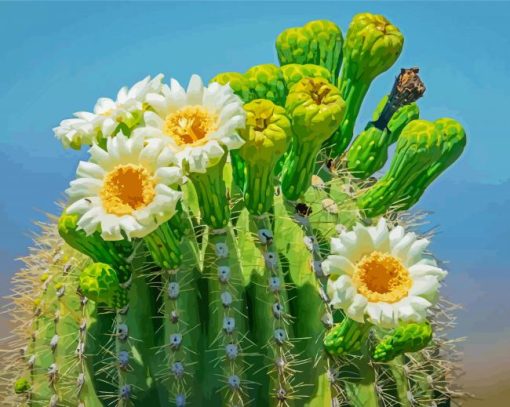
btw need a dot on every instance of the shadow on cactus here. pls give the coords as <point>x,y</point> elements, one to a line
<point>227,245</point>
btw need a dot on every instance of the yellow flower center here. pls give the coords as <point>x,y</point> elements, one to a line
<point>127,188</point>
<point>190,125</point>
<point>381,277</point>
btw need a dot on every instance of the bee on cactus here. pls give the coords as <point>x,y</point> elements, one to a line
<point>233,243</point>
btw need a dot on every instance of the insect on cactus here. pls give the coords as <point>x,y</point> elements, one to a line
<point>223,245</point>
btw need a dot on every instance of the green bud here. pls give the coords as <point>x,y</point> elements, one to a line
<point>293,73</point>
<point>372,46</point>
<point>267,135</point>
<point>424,150</point>
<point>346,337</point>
<point>315,108</point>
<point>406,338</point>
<point>22,385</point>
<point>317,42</point>
<point>453,142</point>
<point>266,82</point>
<point>267,132</point>
<point>418,147</point>
<point>99,282</point>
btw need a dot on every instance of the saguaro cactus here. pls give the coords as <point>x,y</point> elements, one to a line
<point>202,260</point>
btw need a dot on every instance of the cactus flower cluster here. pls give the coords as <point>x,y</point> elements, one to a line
<point>229,243</point>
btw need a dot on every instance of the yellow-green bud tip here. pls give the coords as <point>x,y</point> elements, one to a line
<point>372,46</point>
<point>316,109</point>
<point>22,385</point>
<point>99,282</point>
<point>267,132</point>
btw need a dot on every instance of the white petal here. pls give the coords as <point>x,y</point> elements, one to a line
<point>169,175</point>
<point>396,234</point>
<point>90,220</point>
<point>426,287</point>
<point>341,291</point>
<point>101,157</point>
<point>380,236</point>
<point>336,264</point>
<point>87,169</point>
<point>356,310</point>
<point>416,250</point>
<point>110,228</point>
<point>421,270</point>
<point>83,187</point>
<point>337,247</point>
<point>195,90</point>
<point>82,205</point>
<point>159,103</point>
<point>401,248</point>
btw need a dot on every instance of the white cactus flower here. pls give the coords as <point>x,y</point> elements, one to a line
<point>382,276</point>
<point>127,108</point>
<point>198,123</point>
<point>126,191</point>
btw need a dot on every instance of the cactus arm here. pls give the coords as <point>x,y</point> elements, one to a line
<point>225,368</point>
<point>44,380</point>
<point>317,42</point>
<point>372,45</point>
<point>306,305</point>
<point>172,248</point>
<point>273,327</point>
<point>417,148</point>
<point>453,140</point>
<point>226,326</point>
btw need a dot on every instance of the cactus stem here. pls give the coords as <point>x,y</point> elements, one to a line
<point>226,331</point>
<point>274,328</point>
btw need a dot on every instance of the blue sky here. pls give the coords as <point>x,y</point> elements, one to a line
<point>58,58</point>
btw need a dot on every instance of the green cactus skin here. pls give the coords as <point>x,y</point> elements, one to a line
<point>424,150</point>
<point>405,338</point>
<point>372,45</point>
<point>317,42</point>
<point>249,234</point>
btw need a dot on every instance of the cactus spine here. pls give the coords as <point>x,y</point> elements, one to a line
<point>208,256</point>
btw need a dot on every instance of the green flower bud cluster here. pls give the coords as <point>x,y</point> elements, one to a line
<point>99,282</point>
<point>317,42</point>
<point>268,81</point>
<point>424,150</point>
<point>406,338</point>
<point>22,385</point>
<point>347,337</point>
<point>267,135</point>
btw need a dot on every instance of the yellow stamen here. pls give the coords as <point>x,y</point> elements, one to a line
<point>127,188</point>
<point>190,125</point>
<point>381,277</point>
